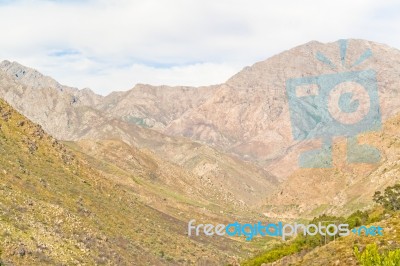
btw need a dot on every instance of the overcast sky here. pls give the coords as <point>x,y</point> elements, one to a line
<point>112,45</point>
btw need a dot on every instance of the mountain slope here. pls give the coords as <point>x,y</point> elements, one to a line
<point>345,187</point>
<point>56,209</point>
<point>154,107</point>
<point>203,174</point>
<point>341,251</point>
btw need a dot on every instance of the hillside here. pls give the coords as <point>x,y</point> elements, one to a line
<point>57,209</point>
<point>319,250</point>
<point>341,252</point>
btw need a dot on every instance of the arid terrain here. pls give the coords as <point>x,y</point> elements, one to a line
<point>90,179</point>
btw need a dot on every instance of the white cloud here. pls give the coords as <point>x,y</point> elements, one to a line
<point>109,45</point>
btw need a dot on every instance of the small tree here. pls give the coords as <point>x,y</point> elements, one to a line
<point>390,199</point>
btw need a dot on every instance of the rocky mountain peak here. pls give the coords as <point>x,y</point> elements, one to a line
<point>32,78</point>
<point>28,76</point>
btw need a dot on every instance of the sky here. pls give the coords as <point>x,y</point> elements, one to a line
<point>113,45</point>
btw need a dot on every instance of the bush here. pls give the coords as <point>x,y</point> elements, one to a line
<point>390,199</point>
<point>357,218</point>
<point>274,254</point>
<point>371,256</point>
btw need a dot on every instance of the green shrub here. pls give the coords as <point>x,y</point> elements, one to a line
<point>275,254</point>
<point>371,256</point>
<point>357,218</point>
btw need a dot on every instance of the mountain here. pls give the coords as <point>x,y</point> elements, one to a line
<point>62,113</point>
<point>33,78</point>
<point>207,130</point>
<point>57,107</point>
<point>154,107</point>
<point>249,114</point>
